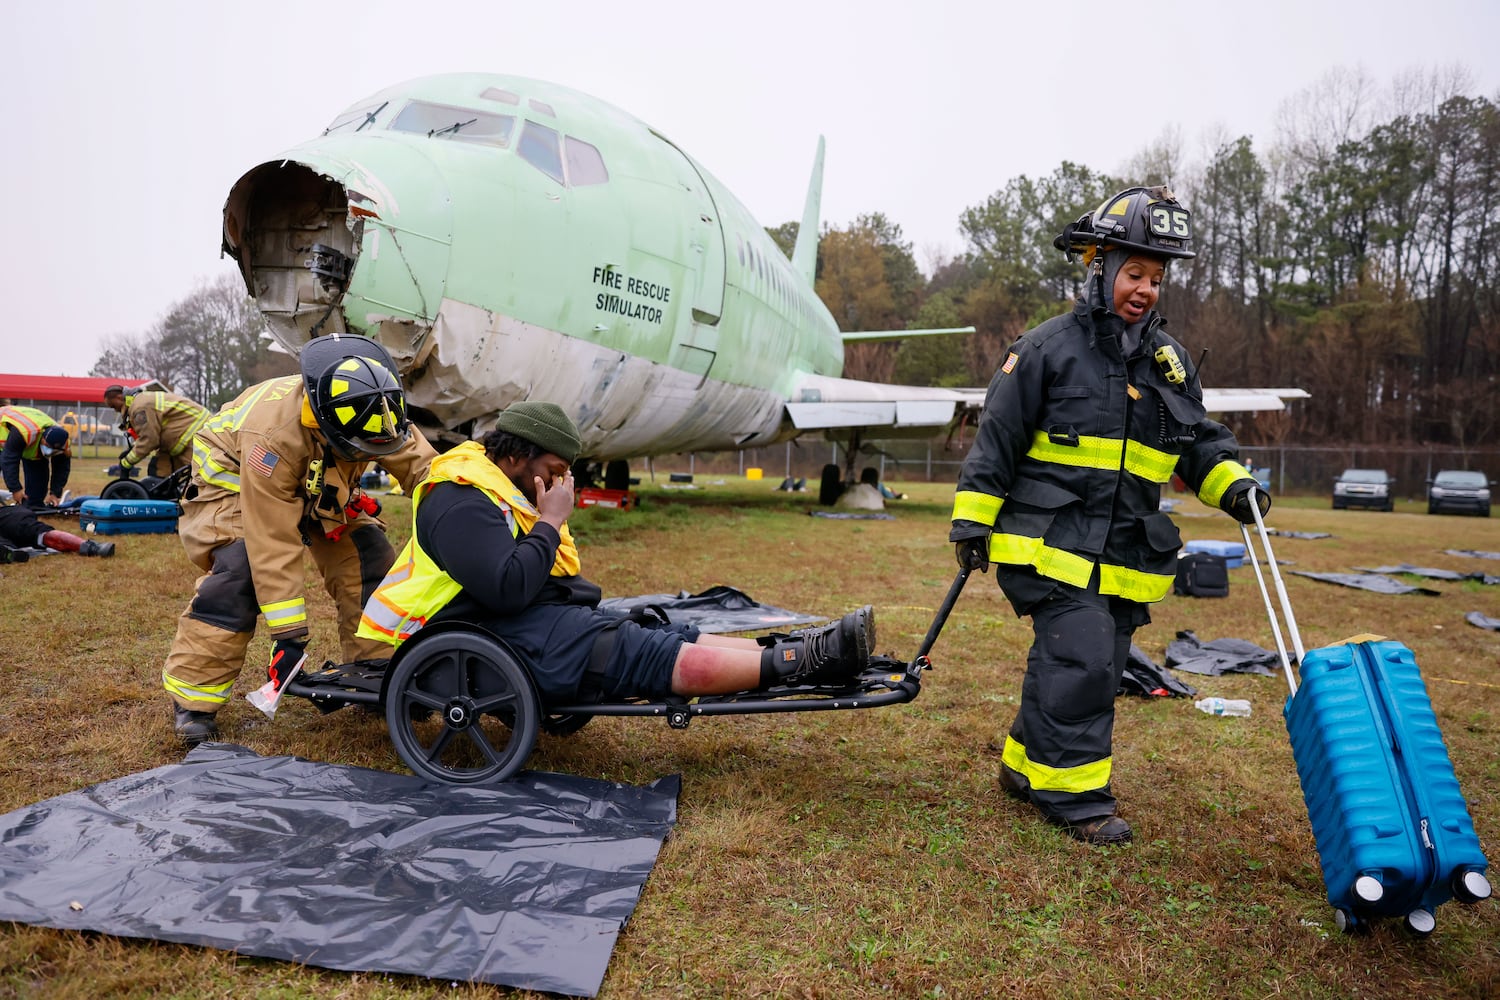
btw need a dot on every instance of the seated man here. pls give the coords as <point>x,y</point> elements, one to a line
<point>490,545</point>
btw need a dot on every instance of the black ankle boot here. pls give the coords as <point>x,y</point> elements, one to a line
<point>101,549</point>
<point>835,653</point>
<point>194,727</point>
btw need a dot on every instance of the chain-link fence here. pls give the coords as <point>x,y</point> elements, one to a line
<point>1292,469</point>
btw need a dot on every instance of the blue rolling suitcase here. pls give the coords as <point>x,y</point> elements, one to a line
<point>129,517</point>
<point>1393,831</point>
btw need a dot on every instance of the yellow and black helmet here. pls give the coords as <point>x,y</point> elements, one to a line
<point>355,395</point>
<point>1146,220</point>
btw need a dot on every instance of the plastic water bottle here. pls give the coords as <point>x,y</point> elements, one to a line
<point>1223,706</point>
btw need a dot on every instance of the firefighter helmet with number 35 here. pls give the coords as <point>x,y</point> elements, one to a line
<point>1148,220</point>
<point>355,396</point>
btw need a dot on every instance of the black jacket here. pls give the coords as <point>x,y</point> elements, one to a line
<point>1073,446</point>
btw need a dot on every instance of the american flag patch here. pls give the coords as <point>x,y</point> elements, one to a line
<point>262,461</point>
<point>1010,363</point>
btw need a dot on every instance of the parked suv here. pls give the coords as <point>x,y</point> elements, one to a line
<point>1459,492</point>
<point>1363,488</point>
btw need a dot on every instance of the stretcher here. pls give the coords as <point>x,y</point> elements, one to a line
<point>462,708</point>
<point>1393,832</point>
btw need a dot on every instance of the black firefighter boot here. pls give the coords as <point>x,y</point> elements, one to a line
<point>194,727</point>
<point>835,653</point>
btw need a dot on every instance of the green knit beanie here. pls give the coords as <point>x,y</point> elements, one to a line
<point>544,425</point>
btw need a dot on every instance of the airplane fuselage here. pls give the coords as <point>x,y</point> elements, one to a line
<point>506,238</point>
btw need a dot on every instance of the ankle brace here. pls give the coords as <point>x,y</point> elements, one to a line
<point>780,660</point>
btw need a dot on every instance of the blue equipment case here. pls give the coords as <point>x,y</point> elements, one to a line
<point>129,517</point>
<point>1393,831</point>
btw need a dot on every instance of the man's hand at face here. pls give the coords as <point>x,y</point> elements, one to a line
<point>556,504</point>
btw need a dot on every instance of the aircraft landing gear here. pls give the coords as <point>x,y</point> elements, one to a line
<point>617,475</point>
<point>832,485</point>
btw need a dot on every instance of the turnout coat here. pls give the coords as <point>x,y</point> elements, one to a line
<point>1073,446</point>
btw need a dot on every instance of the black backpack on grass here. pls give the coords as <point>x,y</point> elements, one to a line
<point>1202,574</point>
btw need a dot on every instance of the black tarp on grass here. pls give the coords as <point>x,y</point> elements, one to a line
<point>1483,621</point>
<point>522,884</point>
<point>1374,582</point>
<point>1219,656</point>
<point>717,609</point>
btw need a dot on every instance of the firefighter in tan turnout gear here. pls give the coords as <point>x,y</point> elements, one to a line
<point>1088,416</point>
<point>157,422</point>
<point>276,474</point>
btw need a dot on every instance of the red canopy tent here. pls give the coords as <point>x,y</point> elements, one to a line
<point>38,390</point>
<point>76,403</point>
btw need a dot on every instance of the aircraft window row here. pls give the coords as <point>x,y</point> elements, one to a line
<point>444,121</point>
<point>567,160</point>
<point>773,277</point>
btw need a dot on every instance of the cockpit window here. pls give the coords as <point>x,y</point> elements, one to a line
<point>444,121</point>
<point>503,96</point>
<point>542,107</point>
<point>585,165</point>
<point>356,118</point>
<point>539,147</point>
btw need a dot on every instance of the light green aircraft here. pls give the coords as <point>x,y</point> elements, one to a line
<point>511,239</point>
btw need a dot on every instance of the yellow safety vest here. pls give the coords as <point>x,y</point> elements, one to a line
<point>30,422</point>
<point>416,587</point>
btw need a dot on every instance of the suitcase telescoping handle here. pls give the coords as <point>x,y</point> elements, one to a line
<point>1286,603</point>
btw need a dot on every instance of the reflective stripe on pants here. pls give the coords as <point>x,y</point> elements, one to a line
<point>1061,740</point>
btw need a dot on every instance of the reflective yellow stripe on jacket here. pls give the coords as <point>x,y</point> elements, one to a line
<point>416,588</point>
<point>969,505</point>
<point>1105,453</point>
<point>1217,482</point>
<point>30,422</point>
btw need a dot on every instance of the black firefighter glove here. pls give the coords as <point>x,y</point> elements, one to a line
<point>973,553</point>
<point>286,657</point>
<point>1236,501</point>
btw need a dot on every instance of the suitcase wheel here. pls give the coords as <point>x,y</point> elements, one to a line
<point>1470,886</point>
<point>1420,922</point>
<point>1345,921</point>
<point>1367,889</point>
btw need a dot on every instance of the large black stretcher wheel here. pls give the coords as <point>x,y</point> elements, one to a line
<point>462,708</point>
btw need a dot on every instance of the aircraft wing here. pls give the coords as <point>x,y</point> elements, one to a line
<point>821,402</point>
<point>824,403</point>
<point>1240,400</point>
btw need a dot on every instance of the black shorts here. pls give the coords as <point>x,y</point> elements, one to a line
<point>558,643</point>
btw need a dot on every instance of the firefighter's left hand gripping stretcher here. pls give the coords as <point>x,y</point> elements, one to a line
<point>463,709</point>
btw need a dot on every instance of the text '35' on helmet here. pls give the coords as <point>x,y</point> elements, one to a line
<point>355,395</point>
<point>1147,220</point>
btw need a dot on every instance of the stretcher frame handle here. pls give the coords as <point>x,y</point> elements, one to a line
<point>920,661</point>
<point>1281,594</point>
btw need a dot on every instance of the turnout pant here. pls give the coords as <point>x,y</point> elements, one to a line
<point>216,627</point>
<point>1060,743</point>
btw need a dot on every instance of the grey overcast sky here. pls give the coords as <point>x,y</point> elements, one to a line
<point>127,123</point>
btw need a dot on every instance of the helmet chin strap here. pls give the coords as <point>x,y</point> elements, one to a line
<point>1098,298</point>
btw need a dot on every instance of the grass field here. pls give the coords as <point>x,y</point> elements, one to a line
<point>861,854</point>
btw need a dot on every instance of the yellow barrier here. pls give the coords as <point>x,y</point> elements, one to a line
<point>752,474</point>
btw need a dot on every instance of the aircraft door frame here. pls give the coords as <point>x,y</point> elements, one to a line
<point>708,296</point>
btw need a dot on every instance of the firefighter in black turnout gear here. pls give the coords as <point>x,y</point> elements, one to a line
<point>1089,414</point>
